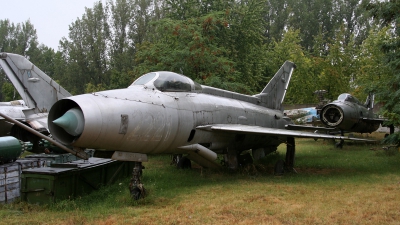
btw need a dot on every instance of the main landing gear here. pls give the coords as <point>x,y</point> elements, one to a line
<point>290,152</point>
<point>136,187</point>
<point>287,165</point>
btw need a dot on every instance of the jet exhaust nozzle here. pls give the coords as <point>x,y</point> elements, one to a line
<point>72,122</point>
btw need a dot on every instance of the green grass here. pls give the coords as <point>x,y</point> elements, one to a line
<point>359,184</point>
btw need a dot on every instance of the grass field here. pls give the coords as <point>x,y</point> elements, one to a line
<point>359,184</point>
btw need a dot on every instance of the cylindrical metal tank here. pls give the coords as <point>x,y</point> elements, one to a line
<point>11,148</point>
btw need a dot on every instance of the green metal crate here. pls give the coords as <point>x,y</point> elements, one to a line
<point>70,180</point>
<point>58,158</point>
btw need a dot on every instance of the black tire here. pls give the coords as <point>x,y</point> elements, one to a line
<point>137,194</point>
<point>279,168</point>
<point>184,163</point>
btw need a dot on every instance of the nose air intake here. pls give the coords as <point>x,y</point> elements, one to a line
<point>72,122</point>
<point>332,115</point>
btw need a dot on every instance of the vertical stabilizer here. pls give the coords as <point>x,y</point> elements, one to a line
<point>369,103</point>
<point>37,89</point>
<point>274,93</point>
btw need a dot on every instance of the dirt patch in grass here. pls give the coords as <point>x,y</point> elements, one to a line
<point>321,171</point>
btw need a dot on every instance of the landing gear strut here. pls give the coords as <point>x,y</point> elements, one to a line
<point>341,142</point>
<point>136,187</point>
<point>290,152</point>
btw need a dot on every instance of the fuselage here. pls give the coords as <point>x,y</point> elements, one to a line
<point>348,114</point>
<point>143,119</point>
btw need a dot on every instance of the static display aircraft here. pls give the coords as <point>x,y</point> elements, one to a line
<point>38,91</point>
<point>349,114</point>
<point>346,114</point>
<point>166,112</point>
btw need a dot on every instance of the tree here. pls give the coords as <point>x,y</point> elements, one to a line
<point>20,39</point>
<point>388,91</point>
<point>86,52</point>
<point>304,81</point>
<point>189,47</point>
<point>220,43</point>
<point>371,66</point>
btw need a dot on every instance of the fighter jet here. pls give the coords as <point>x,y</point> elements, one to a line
<point>166,112</point>
<point>347,114</point>
<point>38,91</point>
<point>14,109</point>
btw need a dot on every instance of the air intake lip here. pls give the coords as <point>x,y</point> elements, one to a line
<point>332,115</point>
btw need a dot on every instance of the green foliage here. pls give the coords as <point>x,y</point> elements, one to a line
<point>85,54</point>
<point>388,91</point>
<point>90,88</point>
<point>303,82</point>
<point>371,67</point>
<point>18,38</point>
<point>190,47</point>
<point>234,45</point>
<point>9,93</point>
<point>219,45</point>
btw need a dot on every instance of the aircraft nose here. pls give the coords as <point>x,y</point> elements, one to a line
<point>72,121</point>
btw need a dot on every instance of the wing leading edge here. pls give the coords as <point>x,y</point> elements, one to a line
<point>239,128</point>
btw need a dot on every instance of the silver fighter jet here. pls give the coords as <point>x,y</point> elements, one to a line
<point>166,112</point>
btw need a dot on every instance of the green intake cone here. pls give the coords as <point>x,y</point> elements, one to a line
<point>72,121</point>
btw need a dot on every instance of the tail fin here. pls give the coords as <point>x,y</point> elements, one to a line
<point>37,89</point>
<point>369,103</point>
<point>274,93</point>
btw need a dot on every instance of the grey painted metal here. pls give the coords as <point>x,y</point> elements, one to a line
<point>38,91</point>
<point>348,114</point>
<point>202,151</point>
<point>129,156</point>
<point>19,111</point>
<point>31,83</point>
<point>80,153</point>
<point>164,112</point>
<point>14,110</point>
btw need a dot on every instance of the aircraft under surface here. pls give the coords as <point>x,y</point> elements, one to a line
<point>38,91</point>
<point>166,112</point>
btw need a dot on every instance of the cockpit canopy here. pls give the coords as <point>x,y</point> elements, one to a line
<point>168,82</point>
<point>348,98</point>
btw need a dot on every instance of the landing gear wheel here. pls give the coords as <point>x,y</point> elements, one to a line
<point>339,144</point>
<point>137,192</point>
<point>184,163</point>
<point>279,168</point>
